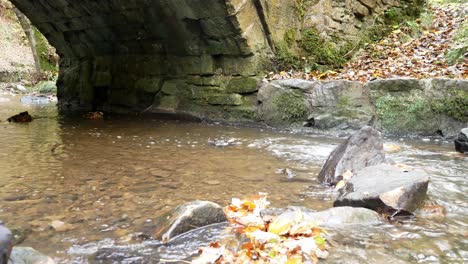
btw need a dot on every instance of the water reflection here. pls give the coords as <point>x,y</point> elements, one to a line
<point>108,179</point>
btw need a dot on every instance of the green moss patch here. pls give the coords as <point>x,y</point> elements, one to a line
<point>403,113</point>
<point>455,105</point>
<point>291,106</point>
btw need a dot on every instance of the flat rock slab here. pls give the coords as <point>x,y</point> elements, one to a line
<point>28,255</point>
<point>32,99</point>
<point>336,217</point>
<point>385,188</point>
<point>186,217</point>
<point>362,149</point>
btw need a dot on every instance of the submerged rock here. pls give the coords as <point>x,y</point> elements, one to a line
<point>461,143</point>
<point>385,188</point>
<point>362,149</point>
<point>337,216</point>
<point>6,242</point>
<point>187,217</point>
<point>23,117</point>
<point>28,255</point>
<point>33,99</point>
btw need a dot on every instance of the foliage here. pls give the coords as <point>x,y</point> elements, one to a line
<point>300,6</point>
<point>284,58</point>
<point>455,105</point>
<point>272,239</point>
<point>319,50</point>
<point>292,106</point>
<point>46,52</point>
<point>459,50</point>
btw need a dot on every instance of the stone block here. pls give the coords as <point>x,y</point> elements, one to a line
<point>225,99</point>
<point>242,85</point>
<point>150,85</point>
<point>203,65</point>
<point>174,87</point>
<point>218,27</point>
<point>243,66</point>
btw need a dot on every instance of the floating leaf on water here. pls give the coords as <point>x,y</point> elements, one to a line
<point>340,184</point>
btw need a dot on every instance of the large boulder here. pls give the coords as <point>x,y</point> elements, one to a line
<point>362,149</point>
<point>6,242</point>
<point>187,217</point>
<point>385,188</point>
<point>28,255</point>
<point>461,143</point>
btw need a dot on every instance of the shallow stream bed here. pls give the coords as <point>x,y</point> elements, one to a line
<point>109,179</point>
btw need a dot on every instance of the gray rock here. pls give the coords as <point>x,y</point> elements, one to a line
<point>385,188</point>
<point>21,88</point>
<point>337,216</point>
<point>27,255</point>
<point>6,242</point>
<point>362,149</point>
<point>461,143</point>
<point>187,217</point>
<point>281,105</point>
<point>32,99</point>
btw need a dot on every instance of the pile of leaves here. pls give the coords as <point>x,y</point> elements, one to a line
<point>415,49</point>
<point>266,239</point>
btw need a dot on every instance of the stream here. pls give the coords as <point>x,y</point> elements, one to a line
<point>109,179</point>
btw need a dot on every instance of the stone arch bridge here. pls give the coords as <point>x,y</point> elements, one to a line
<point>174,55</point>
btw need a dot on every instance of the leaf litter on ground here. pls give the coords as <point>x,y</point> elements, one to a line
<point>403,53</point>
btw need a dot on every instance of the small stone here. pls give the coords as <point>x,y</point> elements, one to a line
<point>60,226</point>
<point>213,182</point>
<point>187,217</point>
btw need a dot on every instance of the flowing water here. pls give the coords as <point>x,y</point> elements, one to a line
<point>109,179</point>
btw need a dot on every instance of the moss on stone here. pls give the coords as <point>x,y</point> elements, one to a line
<point>290,37</point>
<point>319,50</point>
<point>45,52</point>
<point>292,106</point>
<point>225,99</point>
<point>242,85</point>
<point>344,107</point>
<point>454,105</point>
<point>285,58</point>
<point>402,114</point>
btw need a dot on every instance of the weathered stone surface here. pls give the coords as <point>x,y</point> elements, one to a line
<point>429,106</point>
<point>337,216</point>
<point>242,85</point>
<point>225,99</point>
<point>28,255</point>
<point>364,148</point>
<point>385,188</point>
<point>150,85</point>
<point>280,105</point>
<point>6,242</point>
<point>461,143</point>
<point>187,217</point>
